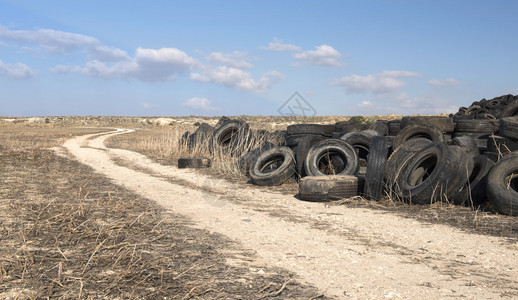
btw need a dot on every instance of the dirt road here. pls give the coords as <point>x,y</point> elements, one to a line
<point>346,252</point>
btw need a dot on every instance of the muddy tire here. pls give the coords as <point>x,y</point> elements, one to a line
<point>373,187</point>
<point>273,167</point>
<point>423,130</point>
<point>195,163</point>
<point>331,157</point>
<point>502,185</point>
<point>328,188</point>
<point>435,173</point>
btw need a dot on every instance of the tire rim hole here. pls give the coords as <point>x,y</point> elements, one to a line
<point>421,135</point>
<point>422,171</point>
<point>511,182</point>
<point>226,137</point>
<point>272,164</point>
<point>332,162</point>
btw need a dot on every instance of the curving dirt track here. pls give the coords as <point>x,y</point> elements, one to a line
<point>354,253</point>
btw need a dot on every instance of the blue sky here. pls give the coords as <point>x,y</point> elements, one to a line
<point>172,58</point>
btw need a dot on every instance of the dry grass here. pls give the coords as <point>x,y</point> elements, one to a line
<point>69,233</point>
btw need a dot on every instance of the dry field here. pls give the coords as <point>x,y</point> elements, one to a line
<point>71,231</point>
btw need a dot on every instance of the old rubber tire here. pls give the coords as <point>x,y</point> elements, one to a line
<point>373,187</point>
<point>511,109</point>
<point>199,139</point>
<point>301,152</point>
<point>509,127</point>
<point>196,163</point>
<point>248,159</point>
<point>435,173</point>
<point>502,185</point>
<point>500,144</point>
<point>423,130</point>
<point>231,137</point>
<point>477,126</point>
<point>468,143</point>
<point>478,180</point>
<point>397,161</point>
<point>445,124</point>
<point>326,130</point>
<point>273,167</point>
<point>327,188</point>
<point>322,157</point>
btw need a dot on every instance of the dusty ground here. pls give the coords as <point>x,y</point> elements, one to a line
<point>109,223</point>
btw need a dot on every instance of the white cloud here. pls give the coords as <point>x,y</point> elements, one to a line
<point>278,45</point>
<point>18,70</point>
<point>445,82</point>
<point>61,42</point>
<point>323,55</point>
<point>237,78</point>
<point>236,59</point>
<point>148,65</point>
<point>105,53</point>
<point>424,105</point>
<point>384,82</point>
<point>147,105</point>
<point>161,64</point>
<point>200,104</point>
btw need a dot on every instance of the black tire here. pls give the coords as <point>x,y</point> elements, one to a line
<point>294,139</point>
<point>183,142</point>
<point>423,130</point>
<point>327,188</point>
<point>361,143</point>
<point>380,127</point>
<point>303,129</point>
<point>331,157</point>
<point>509,127</point>
<point>273,167</point>
<point>502,185</point>
<point>477,126</point>
<point>247,160</point>
<point>478,180</point>
<point>445,124</point>
<point>195,163</point>
<point>200,138</point>
<point>435,173</point>
<point>398,159</point>
<point>350,126</point>
<point>468,144</point>
<point>394,127</point>
<point>373,188</point>
<point>231,137</point>
<point>511,109</point>
<point>301,152</point>
<point>500,144</point>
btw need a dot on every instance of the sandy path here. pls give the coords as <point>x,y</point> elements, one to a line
<point>346,252</point>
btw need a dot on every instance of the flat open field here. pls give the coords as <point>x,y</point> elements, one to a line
<point>89,212</point>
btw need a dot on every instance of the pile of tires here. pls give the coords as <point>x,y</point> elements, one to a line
<point>469,158</point>
<point>230,137</point>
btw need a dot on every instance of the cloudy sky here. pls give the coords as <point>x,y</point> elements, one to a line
<point>171,58</point>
